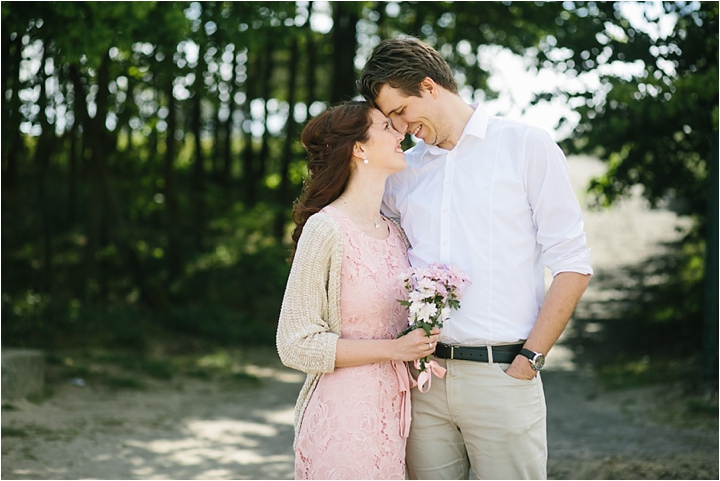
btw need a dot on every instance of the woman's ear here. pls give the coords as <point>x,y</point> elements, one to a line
<point>358,151</point>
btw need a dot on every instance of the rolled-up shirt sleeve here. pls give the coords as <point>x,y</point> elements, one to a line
<point>556,211</point>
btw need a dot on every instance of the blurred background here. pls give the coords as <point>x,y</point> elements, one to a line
<point>150,160</point>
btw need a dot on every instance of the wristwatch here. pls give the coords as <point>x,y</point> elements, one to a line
<point>537,360</point>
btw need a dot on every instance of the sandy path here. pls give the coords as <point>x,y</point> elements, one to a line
<point>199,430</point>
<point>190,429</point>
<point>187,429</point>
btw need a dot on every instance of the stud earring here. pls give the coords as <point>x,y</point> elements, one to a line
<point>365,160</point>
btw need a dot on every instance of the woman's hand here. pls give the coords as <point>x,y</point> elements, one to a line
<point>416,344</point>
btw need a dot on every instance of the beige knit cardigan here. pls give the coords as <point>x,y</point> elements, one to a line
<point>309,324</point>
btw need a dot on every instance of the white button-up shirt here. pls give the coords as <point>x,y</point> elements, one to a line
<point>499,205</point>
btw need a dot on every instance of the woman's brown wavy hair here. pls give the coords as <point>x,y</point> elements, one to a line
<point>329,139</point>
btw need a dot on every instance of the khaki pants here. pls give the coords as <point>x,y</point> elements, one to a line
<point>477,417</point>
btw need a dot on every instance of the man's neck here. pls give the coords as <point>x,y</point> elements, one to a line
<point>458,115</point>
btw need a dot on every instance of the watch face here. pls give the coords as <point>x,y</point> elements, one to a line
<point>539,362</point>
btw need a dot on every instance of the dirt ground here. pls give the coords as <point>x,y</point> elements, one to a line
<point>197,429</point>
<point>193,429</point>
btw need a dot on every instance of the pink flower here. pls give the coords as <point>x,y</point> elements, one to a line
<point>433,292</point>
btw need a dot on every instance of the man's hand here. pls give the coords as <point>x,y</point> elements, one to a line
<point>521,369</point>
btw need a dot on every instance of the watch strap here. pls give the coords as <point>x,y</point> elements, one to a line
<point>537,360</point>
<point>528,353</point>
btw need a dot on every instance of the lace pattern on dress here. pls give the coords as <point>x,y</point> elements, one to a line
<point>353,425</point>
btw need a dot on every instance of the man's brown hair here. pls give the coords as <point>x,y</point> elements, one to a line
<point>403,63</point>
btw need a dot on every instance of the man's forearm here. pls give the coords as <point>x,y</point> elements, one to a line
<point>565,291</point>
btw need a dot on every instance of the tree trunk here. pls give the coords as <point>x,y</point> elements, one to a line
<point>105,218</point>
<point>72,154</point>
<point>151,294</point>
<point>43,151</point>
<point>72,174</point>
<point>227,148</point>
<point>249,181</point>
<point>312,63</point>
<point>95,202</point>
<point>710,322</point>
<point>13,147</point>
<point>8,46</point>
<point>172,216</point>
<point>283,196</point>
<point>98,141</point>
<point>199,164</point>
<point>248,159</point>
<point>265,167</point>
<point>216,156</point>
<point>345,18</point>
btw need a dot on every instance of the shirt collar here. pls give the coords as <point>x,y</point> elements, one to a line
<point>476,126</point>
<point>478,123</point>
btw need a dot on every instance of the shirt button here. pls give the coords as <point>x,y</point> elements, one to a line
<point>445,211</point>
<point>445,242</point>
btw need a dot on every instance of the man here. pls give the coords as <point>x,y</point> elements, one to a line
<point>493,197</point>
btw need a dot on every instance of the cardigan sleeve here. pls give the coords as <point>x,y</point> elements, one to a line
<point>306,340</point>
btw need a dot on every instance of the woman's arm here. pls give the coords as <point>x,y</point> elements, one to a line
<point>412,346</point>
<point>306,340</point>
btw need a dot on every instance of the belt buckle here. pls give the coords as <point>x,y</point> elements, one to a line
<point>452,351</point>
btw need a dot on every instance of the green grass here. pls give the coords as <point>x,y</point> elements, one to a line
<point>702,406</point>
<point>678,403</point>
<point>14,432</point>
<point>242,380</point>
<point>111,422</point>
<point>124,382</point>
<point>116,369</point>
<point>629,373</point>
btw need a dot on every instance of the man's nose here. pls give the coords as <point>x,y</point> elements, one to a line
<point>400,125</point>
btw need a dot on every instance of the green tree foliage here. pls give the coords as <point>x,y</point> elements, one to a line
<point>655,123</point>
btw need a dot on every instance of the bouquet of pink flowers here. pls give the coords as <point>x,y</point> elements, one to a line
<point>432,292</point>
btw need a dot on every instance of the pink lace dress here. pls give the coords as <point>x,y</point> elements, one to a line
<point>356,421</point>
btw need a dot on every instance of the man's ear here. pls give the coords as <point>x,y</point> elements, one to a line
<point>427,84</point>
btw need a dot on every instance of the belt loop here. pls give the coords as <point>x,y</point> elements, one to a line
<point>490,356</point>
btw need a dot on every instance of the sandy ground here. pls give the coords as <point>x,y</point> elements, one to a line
<point>193,429</point>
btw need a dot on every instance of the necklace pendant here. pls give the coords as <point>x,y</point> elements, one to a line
<point>377,226</point>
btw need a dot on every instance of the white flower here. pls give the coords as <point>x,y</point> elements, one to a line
<point>416,296</point>
<point>426,286</point>
<point>426,312</point>
<point>414,307</point>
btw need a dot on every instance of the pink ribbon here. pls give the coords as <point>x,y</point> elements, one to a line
<point>404,383</point>
<point>431,367</point>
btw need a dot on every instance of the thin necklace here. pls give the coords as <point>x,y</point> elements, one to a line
<point>374,222</point>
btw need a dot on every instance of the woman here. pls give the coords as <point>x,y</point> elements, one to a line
<point>340,314</point>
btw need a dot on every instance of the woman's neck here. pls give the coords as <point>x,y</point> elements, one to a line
<point>365,196</point>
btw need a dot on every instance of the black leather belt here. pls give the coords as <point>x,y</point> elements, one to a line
<point>502,354</point>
